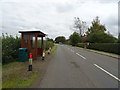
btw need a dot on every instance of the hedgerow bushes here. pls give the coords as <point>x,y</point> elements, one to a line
<point>10,47</point>
<point>81,45</point>
<point>48,44</point>
<point>0,50</point>
<point>107,47</point>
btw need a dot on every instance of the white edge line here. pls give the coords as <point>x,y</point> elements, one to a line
<point>107,72</point>
<point>80,55</point>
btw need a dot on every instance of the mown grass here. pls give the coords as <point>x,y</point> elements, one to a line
<point>19,82</point>
<point>54,49</point>
<point>16,74</point>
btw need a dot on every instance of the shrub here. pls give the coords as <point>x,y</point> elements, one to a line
<point>75,38</point>
<point>10,47</point>
<point>107,47</point>
<point>0,50</point>
<point>100,37</point>
<point>48,44</point>
<point>81,45</point>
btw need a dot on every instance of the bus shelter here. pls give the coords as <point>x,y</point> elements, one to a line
<point>33,41</point>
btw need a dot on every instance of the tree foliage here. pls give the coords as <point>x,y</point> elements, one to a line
<point>10,46</point>
<point>118,38</point>
<point>96,27</point>
<point>100,37</point>
<point>50,39</point>
<point>75,38</point>
<point>60,39</point>
<point>106,47</point>
<point>48,44</point>
<point>96,33</point>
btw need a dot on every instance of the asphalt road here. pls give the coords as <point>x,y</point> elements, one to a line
<point>72,67</point>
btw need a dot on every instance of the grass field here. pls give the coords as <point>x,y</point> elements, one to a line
<point>16,74</point>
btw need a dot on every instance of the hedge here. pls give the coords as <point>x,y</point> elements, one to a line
<point>10,47</point>
<point>106,47</point>
<point>47,44</point>
<point>81,45</point>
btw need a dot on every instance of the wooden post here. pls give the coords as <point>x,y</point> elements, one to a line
<point>36,46</point>
<point>22,40</point>
<point>29,46</point>
<point>42,45</point>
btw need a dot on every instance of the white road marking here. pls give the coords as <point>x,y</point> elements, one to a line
<point>80,55</point>
<point>107,72</point>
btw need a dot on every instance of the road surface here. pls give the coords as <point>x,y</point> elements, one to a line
<point>72,67</point>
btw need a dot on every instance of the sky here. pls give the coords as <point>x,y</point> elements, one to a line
<point>56,17</point>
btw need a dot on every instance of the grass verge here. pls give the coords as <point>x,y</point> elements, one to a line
<point>54,49</point>
<point>16,74</point>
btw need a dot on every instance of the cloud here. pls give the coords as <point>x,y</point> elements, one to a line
<point>55,17</point>
<point>64,8</point>
<point>108,1</point>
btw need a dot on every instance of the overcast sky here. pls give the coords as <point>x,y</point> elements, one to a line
<point>55,17</point>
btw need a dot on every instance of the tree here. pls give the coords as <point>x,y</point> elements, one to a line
<point>96,33</point>
<point>75,38</point>
<point>10,46</point>
<point>60,39</point>
<point>96,26</point>
<point>80,26</point>
<point>118,38</point>
<point>49,39</point>
<point>101,37</point>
